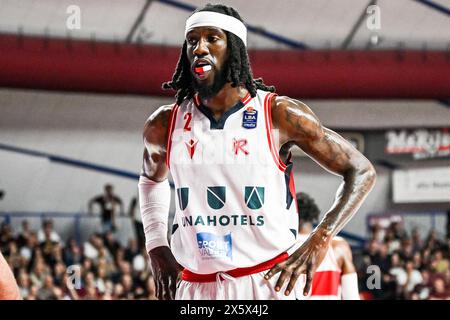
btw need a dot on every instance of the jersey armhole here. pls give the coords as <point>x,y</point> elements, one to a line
<point>333,258</point>
<point>269,131</point>
<point>172,120</point>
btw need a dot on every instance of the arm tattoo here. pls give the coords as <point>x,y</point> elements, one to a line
<point>334,154</point>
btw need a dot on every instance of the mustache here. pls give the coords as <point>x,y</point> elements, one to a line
<point>201,60</point>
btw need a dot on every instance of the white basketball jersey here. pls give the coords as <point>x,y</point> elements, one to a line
<point>235,198</point>
<point>326,284</point>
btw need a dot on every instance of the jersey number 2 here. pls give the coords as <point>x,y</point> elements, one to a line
<point>188,118</point>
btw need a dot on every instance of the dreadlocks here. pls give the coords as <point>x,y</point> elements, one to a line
<point>238,67</point>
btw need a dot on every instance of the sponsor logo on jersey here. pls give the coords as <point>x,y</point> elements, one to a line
<point>222,220</point>
<point>216,197</point>
<point>249,118</point>
<point>191,145</point>
<point>254,197</point>
<point>238,146</point>
<point>183,197</point>
<point>213,246</point>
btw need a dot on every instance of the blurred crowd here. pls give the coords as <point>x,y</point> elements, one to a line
<point>101,268</point>
<point>398,265</point>
<point>395,265</point>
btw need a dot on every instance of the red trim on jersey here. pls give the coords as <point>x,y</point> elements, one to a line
<point>326,283</point>
<point>173,116</point>
<point>246,99</point>
<point>235,273</point>
<point>196,99</point>
<point>273,149</point>
<point>292,189</point>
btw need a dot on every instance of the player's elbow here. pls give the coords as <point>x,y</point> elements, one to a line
<point>367,175</point>
<point>362,173</point>
<point>370,173</point>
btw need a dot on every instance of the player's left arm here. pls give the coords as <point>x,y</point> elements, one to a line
<point>8,285</point>
<point>349,277</point>
<point>298,125</point>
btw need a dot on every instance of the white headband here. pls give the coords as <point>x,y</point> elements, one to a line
<point>219,20</point>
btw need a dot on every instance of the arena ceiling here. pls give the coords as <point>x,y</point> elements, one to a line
<point>318,24</point>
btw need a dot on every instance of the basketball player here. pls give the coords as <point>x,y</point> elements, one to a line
<point>235,225</point>
<point>336,277</point>
<point>8,285</point>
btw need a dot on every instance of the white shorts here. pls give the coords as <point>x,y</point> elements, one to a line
<point>251,287</point>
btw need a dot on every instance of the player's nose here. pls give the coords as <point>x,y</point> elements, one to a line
<point>201,48</point>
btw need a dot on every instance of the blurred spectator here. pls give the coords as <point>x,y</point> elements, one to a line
<point>23,236</point>
<point>92,247</point>
<point>417,259</point>
<point>108,203</point>
<point>109,290</point>
<point>39,272</point>
<point>14,259</point>
<point>136,221</point>
<point>372,249</point>
<point>26,252</point>
<point>72,253</point>
<point>413,277</point>
<point>132,250</point>
<point>448,226</point>
<point>422,290</point>
<point>382,258</point>
<point>398,230</point>
<point>111,243</point>
<point>416,240</point>
<point>24,283</point>
<point>377,233</point>
<point>33,295</point>
<point>432,243</point>
<point>392,242</point>
<point>6,236</point>
<point>406,249</point>
<point>58,274</point>
<point>439,290</point>
<point>439,263</point>
<point>101,279</point>
<point>48,240</point>
<point>127,284</point>
<point>47,291</point>
<point>47,233</point>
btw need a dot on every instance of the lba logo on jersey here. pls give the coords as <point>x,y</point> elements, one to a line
<point>212,246</point>
<point>249,118</point>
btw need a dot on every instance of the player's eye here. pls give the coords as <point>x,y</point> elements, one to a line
<point>191,41</point>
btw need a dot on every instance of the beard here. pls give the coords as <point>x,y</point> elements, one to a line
<point>208,91</point>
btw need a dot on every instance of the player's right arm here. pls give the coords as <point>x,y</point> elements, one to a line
<point>154,201</point>
<point>8,285</point>
<point>349,278</point>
